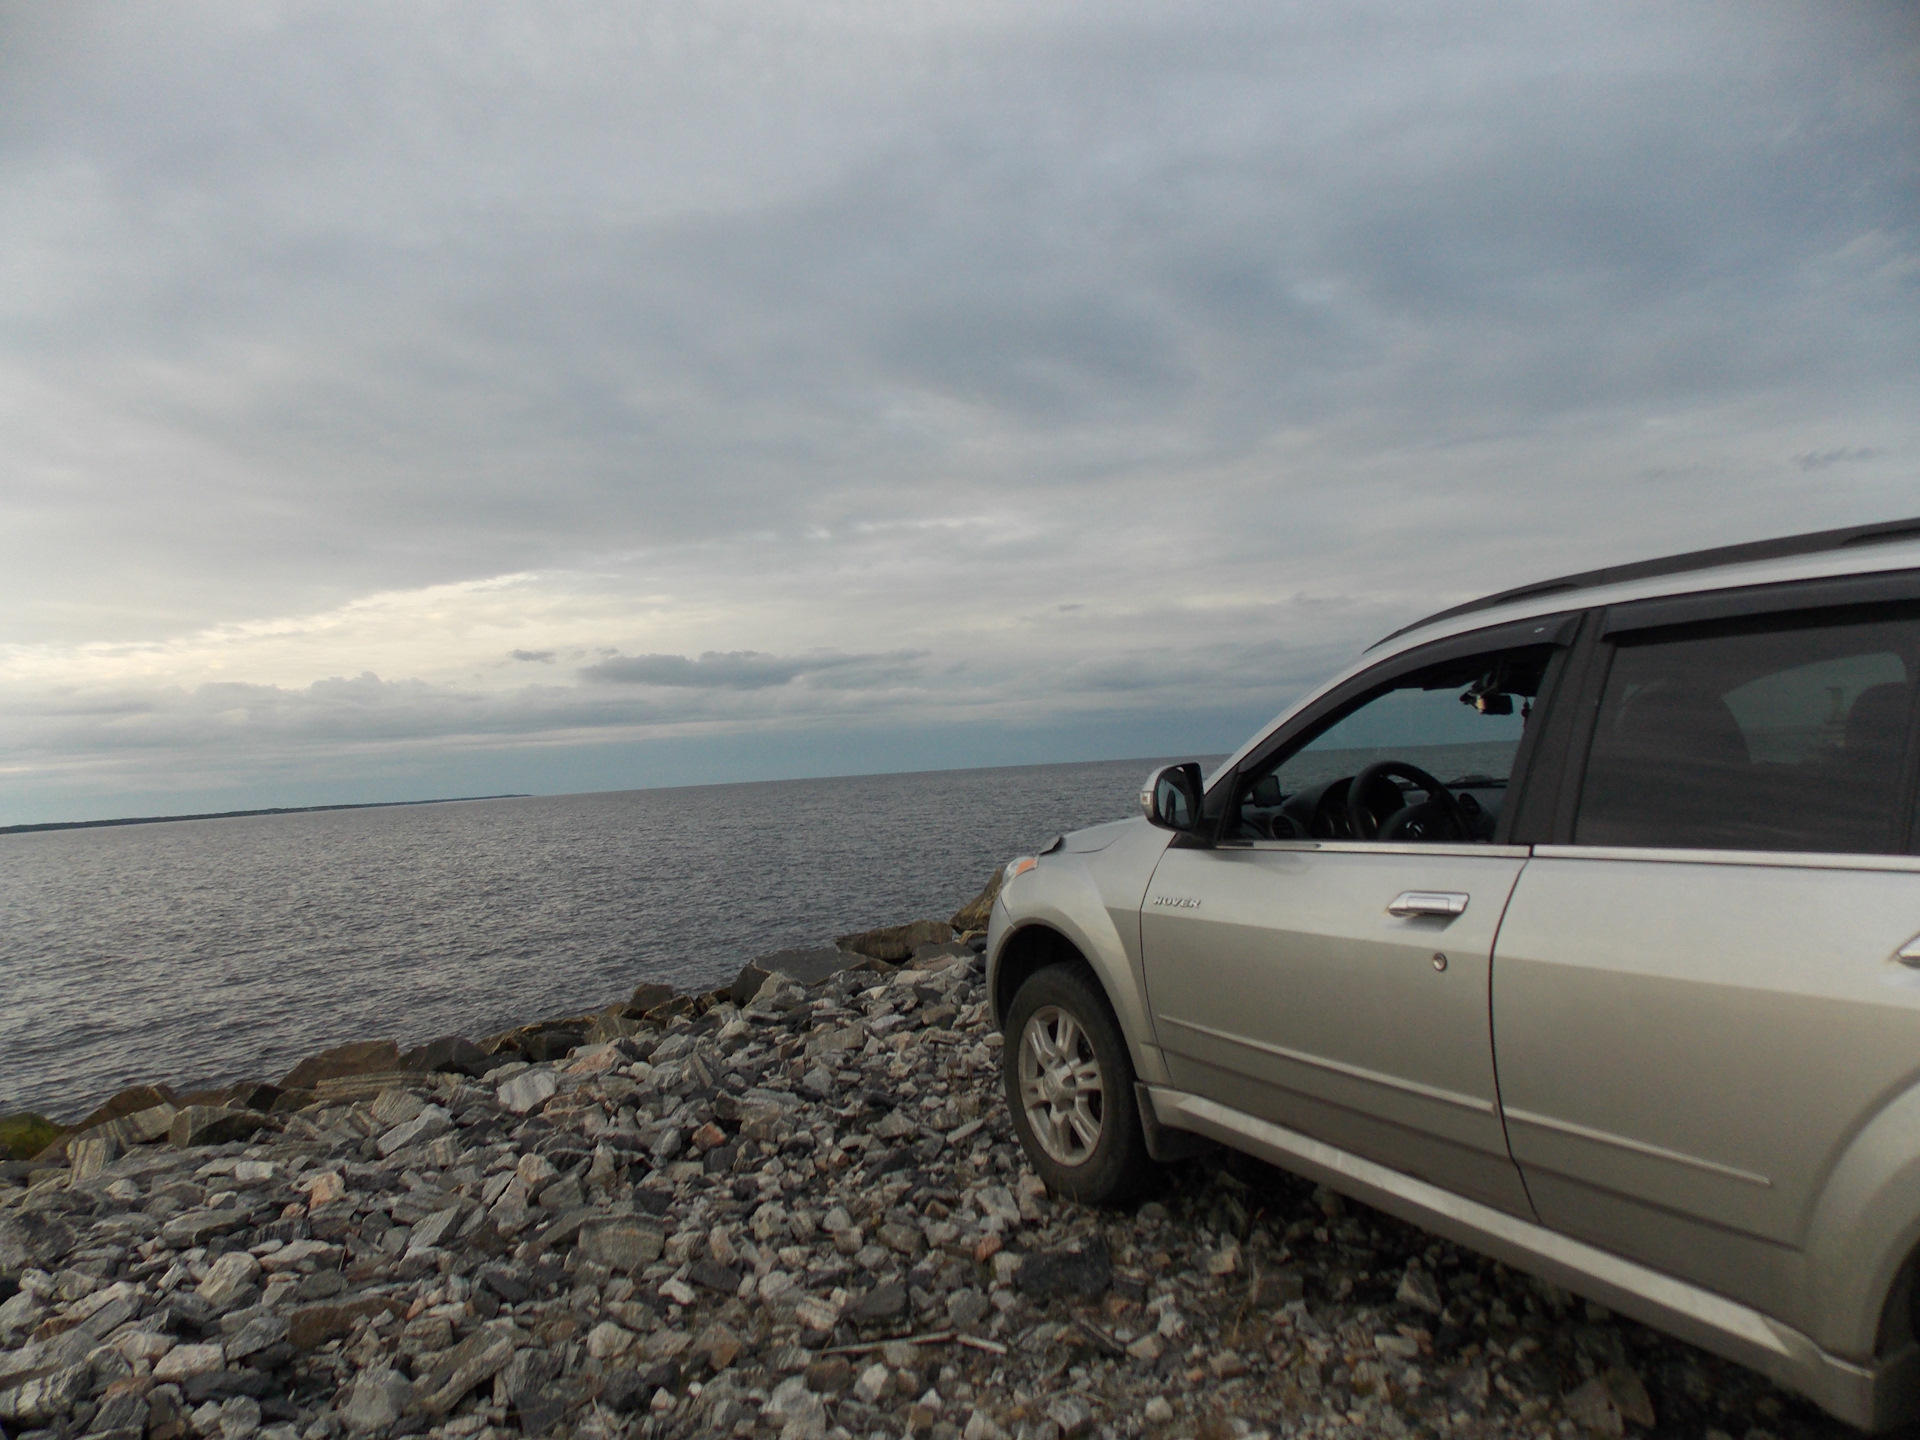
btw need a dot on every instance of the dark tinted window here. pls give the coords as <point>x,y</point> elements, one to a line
<point>1789,737</point>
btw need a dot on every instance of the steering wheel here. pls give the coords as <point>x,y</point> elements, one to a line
<point>1427,820</point>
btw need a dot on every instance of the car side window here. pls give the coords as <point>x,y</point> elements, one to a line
<point>1784,735</point>
<point>1426,758</point>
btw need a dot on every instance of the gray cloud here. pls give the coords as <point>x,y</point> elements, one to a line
<point>1821,459</point>
<point>744,670</point>
<point>904,330</point>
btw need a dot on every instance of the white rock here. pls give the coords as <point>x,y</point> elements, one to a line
<point>1159,1410</point>
<point>527,1091</point>
<point>871,1384</point>
<point>607,1339</point>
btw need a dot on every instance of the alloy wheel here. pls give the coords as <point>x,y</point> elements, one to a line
<point>1061,1086</point>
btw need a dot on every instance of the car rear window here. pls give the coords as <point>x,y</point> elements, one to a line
<point>1787,735</point>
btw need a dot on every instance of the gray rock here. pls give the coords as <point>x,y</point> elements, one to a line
<point>528,1091</point>
<point>427,1125</point>
<point>196,1227</point>
<point>89,1154</point>
<point>379,1397</point>
<point>259,1333</point>
<point>120,1409</point>
<point>966,1309</point>
<point>214,1125</point>
<point>229,1280</point>
<point>1417,1289</point>
<point>1086,1273</point>
<point>627,1244</point>
<point>882,1303</point>
<point>480,1356</point>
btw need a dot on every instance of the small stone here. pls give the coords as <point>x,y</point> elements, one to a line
<point>1227,1364</point>
<point>257,1335</point>
<point>1396,1347</point>
<point>871,1385</point>
<point>901,1239</point>
<point>1225,1260</point>
<point>44,1398</point>
<point>829,1375</point>
<point>607,1339</point>
<point>1592,1409</point>
<point>720,1345</point>
<point>379,1397</point>
<point>624,1244</point>
<point>230,1279</point>
<point>428,1124</point>
<point>527,1091</point>
<point>311,1326</point>
<point>478,1357</point>
<point>1629,1395</point>
<point>966,1309</point>
<point>1418,1290</point>
<point>1057,1274</point>
<point>183,1362</point>
<point>1158,1410</point>
<point>883,1302</point>
<point>1072,1414</point>
<point>323,1188</point>
<point>813,1313</point>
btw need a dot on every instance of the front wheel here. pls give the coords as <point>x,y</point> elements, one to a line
<point>1070,1087</point>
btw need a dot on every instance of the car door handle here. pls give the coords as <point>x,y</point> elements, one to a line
<point>1428,902</point>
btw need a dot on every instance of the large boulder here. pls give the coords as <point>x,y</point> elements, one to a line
<point>647,995</point>
<point>362,1057</point>
<point>894,943</point>
<point>26,1135</point>
<point>214,1125</point>
<point>450,1054</point>
<point>809,967</point>
<point>976,912</point>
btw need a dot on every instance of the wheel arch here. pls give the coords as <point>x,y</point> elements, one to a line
<point>1034,944</point>
<point>1863,1241</point>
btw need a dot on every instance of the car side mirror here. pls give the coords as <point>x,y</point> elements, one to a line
<point>1170,798</point>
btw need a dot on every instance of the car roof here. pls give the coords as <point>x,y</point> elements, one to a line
<point>1820,554</point>
<point>1813,542</point>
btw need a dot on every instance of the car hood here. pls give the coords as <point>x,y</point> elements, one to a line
<point>1097,837</point>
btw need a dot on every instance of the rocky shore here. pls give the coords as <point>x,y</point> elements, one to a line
<point>794,1207</point>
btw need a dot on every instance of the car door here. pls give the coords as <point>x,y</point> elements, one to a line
<point>1334,979</point>
<point>1698,1000</point>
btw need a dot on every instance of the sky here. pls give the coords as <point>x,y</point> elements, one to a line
<point>412,400</point>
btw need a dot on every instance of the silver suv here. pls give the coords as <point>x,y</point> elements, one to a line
<point>1577,924</point>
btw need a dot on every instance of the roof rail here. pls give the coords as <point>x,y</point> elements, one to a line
<point>1811,543</point>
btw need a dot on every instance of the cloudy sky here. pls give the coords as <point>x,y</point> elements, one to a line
<point>401,400</point>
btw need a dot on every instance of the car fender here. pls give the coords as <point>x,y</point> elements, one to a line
<point>1864,1227</point>
<point>1091,901</point>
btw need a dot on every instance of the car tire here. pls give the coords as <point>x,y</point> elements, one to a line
<point>1069,1086</point>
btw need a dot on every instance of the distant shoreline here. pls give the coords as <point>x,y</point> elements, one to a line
<point>243,814</point>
